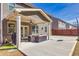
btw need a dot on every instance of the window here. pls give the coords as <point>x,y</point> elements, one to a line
<point>34,29</point>
<point>11,6</point>
<point>11,28</point>
<point>42,28</point>
<point>45,29</point>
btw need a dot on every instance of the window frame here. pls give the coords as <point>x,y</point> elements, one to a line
<point>10,5</point>
<point>45,29</point>
<point>36,30</point>
<point>9,27</point>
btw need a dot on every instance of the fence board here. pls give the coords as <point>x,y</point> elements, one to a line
<point>71,32</point>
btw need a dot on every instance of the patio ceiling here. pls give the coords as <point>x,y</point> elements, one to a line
<point>33,11</point>
<point>30,13</point>
<point>24,18</point>
<point>31,19</point>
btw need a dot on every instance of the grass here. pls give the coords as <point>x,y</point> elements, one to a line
<point>76,51</point>
<point>7,46</point>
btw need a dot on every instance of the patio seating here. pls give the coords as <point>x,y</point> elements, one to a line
<point>34,38</point>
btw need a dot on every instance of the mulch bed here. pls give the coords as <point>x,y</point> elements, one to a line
<point>10,52</point>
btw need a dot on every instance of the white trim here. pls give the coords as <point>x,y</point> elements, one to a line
<point>33,9</point>
<point>24,29</point>
<point>1,23</point>
<point>26,9</point>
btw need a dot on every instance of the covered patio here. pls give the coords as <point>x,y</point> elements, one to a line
<point>26,20</point>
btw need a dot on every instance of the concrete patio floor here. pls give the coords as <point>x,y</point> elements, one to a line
<point>50,47</point>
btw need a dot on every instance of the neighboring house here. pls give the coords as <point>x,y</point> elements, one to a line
<point>34,22</point>
<point>60,27</point>
<point>60,24</point>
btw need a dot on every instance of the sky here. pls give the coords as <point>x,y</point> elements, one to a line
<point>65,11</point>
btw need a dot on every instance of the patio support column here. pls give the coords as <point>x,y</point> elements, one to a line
<point>18,30</point>
<point>48,31</point>
<point>1,31</point>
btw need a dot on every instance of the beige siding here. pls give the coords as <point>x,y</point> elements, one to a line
<point>6,11</point>
<point>41,29</point>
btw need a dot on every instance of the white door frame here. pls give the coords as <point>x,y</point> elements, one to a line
<point>24,29</point>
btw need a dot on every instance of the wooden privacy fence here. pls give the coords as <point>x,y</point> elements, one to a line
<point>67,32</point>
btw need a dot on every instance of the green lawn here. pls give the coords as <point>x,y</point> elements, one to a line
<point>7,46</point>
